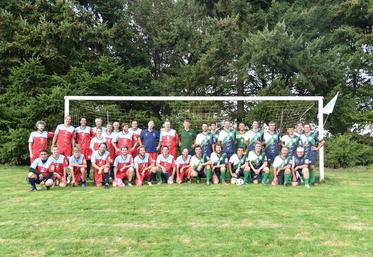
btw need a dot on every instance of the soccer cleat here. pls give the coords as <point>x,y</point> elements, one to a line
<point>307,186</point>
<point>208,183</point>
<point>107,186</point>
<point>150,183</point>
<point>83,185</point>
<point>32,190</point>
<point>89,179</point>
<point>129,184</point>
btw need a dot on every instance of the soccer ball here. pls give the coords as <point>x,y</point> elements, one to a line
<point>233,181</point>
<point>239,182</point>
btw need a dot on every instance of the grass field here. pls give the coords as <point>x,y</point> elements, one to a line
<point>332,219</point>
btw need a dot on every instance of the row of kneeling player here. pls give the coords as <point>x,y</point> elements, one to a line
<point>238,169</point>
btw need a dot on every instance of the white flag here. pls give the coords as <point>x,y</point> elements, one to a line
<point>328,109</point>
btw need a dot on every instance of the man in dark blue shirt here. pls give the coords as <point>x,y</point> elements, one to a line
<point>149,138</point>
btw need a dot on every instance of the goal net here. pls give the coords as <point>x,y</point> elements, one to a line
<point>284,111</point>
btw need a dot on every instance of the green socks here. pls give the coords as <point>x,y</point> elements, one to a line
<point>306,181</point>
<point>159,177</point>
<point>265,178</point>
<point>246,175</point>
<point>287,178</point>
<point>208,175</point>
<point>222,177</point>
<point>312,176</point>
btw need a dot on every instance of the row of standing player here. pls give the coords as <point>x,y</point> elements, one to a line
<point>89,139</point>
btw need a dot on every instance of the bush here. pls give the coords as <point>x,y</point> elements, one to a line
<point>344,151</point>
<point>13,147</point>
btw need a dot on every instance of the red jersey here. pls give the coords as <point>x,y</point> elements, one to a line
<point>39,141</point>
<point>65,135</point>
<point>169,138</point>
<point>110,139</point>
<point>167,162</point>
<point>95,143</point>
<point>58,165</point>
<point>124,139</point>
<point>141,162</point>
<point>83,136</point>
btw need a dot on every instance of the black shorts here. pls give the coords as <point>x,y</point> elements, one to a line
<point>217,172</point>
<point>201,173</point>
<point>255,176</point>
<point>281,177</point>
<point>239,173</point>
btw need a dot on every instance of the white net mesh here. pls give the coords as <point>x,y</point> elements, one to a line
<point>283,113</point>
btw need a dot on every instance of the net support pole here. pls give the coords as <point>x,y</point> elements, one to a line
<point>67,106</point>
<point>321,136</point>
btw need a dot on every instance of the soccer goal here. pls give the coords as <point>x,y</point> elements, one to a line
<point>285,111</point>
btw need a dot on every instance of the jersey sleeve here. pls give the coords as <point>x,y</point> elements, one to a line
<point>31,138</point>
<point>57,130</point>
<point>116,162</point>
<point>34,164</point>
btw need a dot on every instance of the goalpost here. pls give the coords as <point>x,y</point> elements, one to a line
<point>209,108</point>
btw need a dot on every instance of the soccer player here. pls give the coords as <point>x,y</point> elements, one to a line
<point>282,168</point>
<point>58,165</point>
<point>205,140</point>
<point>311,144</point>
<point>200,166</point>
<point>123,167</point>
<point>124,138</point>
<point>64,137</point>
<point>116,127</point>
<point>215,133</point>
<point>39,172</point>
<point>97,140</point>
<point>219,161</point>
<point>299,168</point>
<point>299,129</point>
<point>78,167</point>
<point>258,164</point>
<point>111,139</point>
<point>241,135</point>
<point>38,140</point>
<point>227,138</point>
<point>166,167</point>
<point>238,166</point>
<point>83,135</point>
<point>136,132</point>
<point>169,138</point>
<point>101,164</point>
<point>253,136</point>
<point>98,124</point>
<point>144,167</point>
<point>272,142</point>
<point>182,166</point>
<point>290,141</point>
<point>149,139</point>
<point>186,136</point>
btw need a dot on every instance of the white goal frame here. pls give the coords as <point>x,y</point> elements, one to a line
<point>318,99</point>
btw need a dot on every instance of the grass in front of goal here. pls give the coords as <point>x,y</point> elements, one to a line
<point>332,219</point>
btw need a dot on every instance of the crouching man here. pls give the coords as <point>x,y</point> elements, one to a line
<point>39,172</point>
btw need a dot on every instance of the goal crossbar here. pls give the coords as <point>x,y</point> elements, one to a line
<point>318,99</point>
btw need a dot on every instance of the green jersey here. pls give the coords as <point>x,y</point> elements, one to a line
<point>187,138</point>
<point>240,139</point>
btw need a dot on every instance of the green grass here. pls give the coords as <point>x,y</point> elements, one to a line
<point>332,219</point>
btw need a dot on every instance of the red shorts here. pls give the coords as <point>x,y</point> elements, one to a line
<point>173,152</point>
<point>77,175</point>
<point>153,156</point>
<point>122,174</point>
<point>34,157</point>
<point>183,173</point>
<point>87,152</point>
<point>141,178</point>
<point>98,177</point>
<point>65,151</point>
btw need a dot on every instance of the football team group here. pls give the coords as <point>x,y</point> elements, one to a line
<point>124,155</point>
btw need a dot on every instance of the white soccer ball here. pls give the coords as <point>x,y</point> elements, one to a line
<point>239,182</point>
<point>233,181</point>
